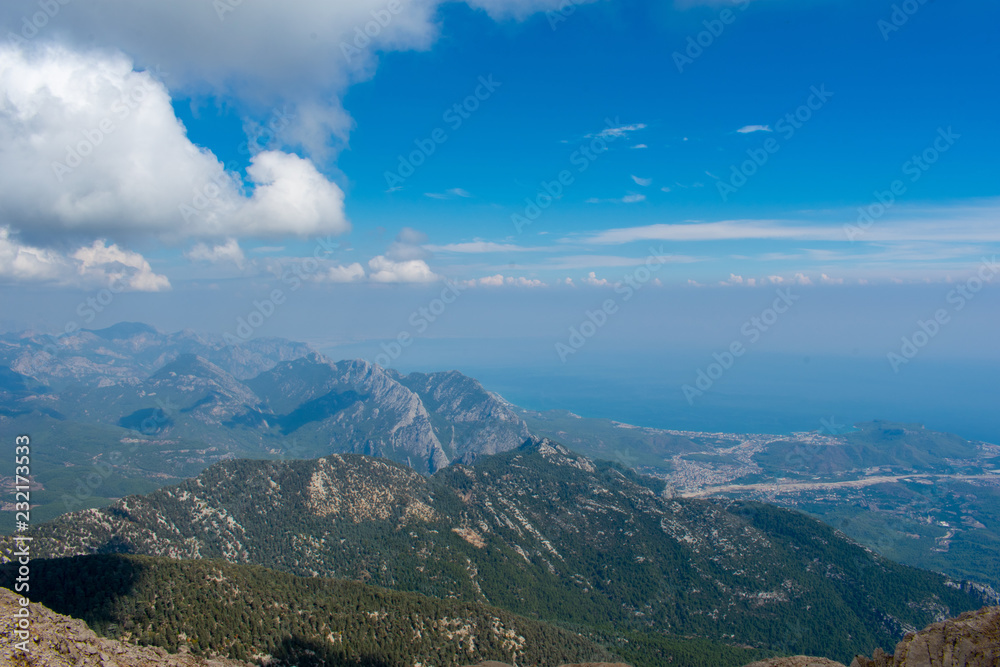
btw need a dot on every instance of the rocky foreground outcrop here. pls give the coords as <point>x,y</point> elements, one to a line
<point>970,640</point>
<point>60,641</point>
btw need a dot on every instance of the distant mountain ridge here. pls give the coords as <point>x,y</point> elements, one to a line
<point>260,393</point>
<point>539,531</point>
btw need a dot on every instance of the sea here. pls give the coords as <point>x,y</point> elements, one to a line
<point>692,390</point>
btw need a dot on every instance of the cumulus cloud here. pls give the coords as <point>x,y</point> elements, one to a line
<point>227,252</point>
<point>99,264</point>
<point>385,270</point>
<point>499,280</point>
<point>343,274</point>
<point>22,262</point>
<point>291,197</point>
<point>93,147</point>
<point>262,54</point>
<point>594,281</point>
<point>492,281</point>
<point>303,51</point>
<point>109,262</point>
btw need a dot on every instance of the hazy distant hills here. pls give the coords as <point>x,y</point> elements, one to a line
<point>127,409</point>
<point>539,531</point>
<point>131,351</point>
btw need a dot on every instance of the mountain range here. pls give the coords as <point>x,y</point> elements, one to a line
<point>269,454</point>
<point>128,409</point>
<point>539,531</point>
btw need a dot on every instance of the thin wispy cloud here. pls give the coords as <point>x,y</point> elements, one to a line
<point>749,129</point>
<point>476,247</point>
<point>452,193</point>
<point>630,198</point>
<point>618,131</point>
<point>644,182</point>
<point>960,225</point>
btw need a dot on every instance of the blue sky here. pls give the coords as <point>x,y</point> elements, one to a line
<point>704,161</point>
<point>557,87</point>
<point>677,166</point>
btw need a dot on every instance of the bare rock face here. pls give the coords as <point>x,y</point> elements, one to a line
<point>61,641</point>
<point>796,661</point>
<point>971,640</point>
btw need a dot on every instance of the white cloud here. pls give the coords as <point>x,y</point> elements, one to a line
<point>471,247</point>
<point>519,9</point>
<point>385,270</point>
<point>748,129</point>
<point>259,54</point>
<point>618,131</point>
<point>451,193</point>
<point>102,262</point>
<point>637,146</point>
<point>630,198</point>
<point>594,281</point>
<point>227,252</point>
<point>99,264</point>
<point>291,197</point>
<point>492,281</point>
<point>644,182</point>
<point>590,262</point>
<point>955,224</point>
<point>499,280</point>
<point>525,282</point>
<point>343,274</point>
<point>92,146</point>
<point>22,262</point>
